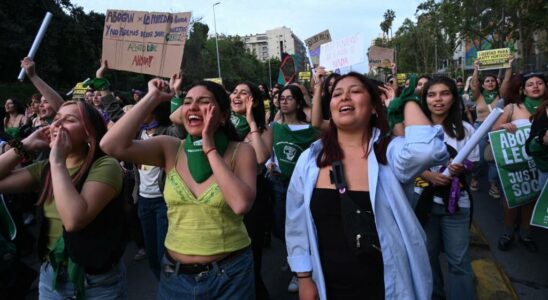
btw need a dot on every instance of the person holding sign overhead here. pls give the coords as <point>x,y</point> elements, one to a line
<point>518,112</point>
<point>210,184</point>
<point>486,96</point>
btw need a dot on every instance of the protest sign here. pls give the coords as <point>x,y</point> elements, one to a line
<point>343,53</point>
<point>304,76</point>
<point>494,59</point>
<point>402,77</point>
<point>540,214</point>
<point>517,170</point>
<point>314,42</point>
<point>79,91</point>
<point>380,57</point>
<point>145,42</point>
<point>215,79</point>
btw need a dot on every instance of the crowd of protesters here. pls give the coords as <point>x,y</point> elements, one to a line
<point>348,175</point>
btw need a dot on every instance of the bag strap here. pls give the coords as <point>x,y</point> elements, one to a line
<point>337,177</point>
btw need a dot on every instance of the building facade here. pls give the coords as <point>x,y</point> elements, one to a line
<point>273,42</point>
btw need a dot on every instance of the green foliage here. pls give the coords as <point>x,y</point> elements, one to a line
<point>71,50</point>
<point>443,25</point>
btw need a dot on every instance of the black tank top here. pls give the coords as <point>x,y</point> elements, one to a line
<point>346,276</point>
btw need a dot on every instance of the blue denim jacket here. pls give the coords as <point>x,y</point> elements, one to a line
<point>407,272</point>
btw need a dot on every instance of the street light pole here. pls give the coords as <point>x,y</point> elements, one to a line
<point>217,40</point>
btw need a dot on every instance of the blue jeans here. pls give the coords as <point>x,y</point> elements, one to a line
<point>451,231</point>
<point>231,278</point>
<point>279,193</point>
<point>109,285</point>
<point>153,215</point>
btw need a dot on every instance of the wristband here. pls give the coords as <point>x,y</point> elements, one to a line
<point>19,150</point>
<point>211,149</point>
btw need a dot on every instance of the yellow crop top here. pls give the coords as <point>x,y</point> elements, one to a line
<point>203,225</point>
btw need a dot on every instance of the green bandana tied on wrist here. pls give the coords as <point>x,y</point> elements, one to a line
<point>197,161</point>
<point>58,258</point>
<point>531,104</point>
<point>490,96</point>
<point>98,84</point>
<point>395,108</point>
<point>240,122</point>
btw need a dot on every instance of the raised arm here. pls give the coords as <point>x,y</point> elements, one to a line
<point>119,140</point>
<point>78,208</point>
<point>49,93</point>
<point>19,180</point>
<point>475,83</point>
<point>258,139</point>
<point>238,185</point>
<point>316,119</point>
<point>505,86</point>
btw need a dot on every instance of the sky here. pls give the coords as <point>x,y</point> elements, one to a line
<point>305,17</point>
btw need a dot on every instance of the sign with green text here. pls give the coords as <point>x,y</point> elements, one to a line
<point>517,170</point>
<point>540,214</point>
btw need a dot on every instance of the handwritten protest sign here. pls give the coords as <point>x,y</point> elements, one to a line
<point>217,80</point>
<point>494,59</point>
<point>540,214</point>
<point>517,170</point>
<point>343,53</point>
<point>145,42</point>
<point>79,90</point>
<point>314,42</point>
<point>304,76</point>
<point>380,57</point>
<point>402,77</point>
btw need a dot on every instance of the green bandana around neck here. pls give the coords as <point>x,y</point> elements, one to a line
<point>198,164</point>
<point>240,122</point>
<point>490,96</point>
<point>531,104</point>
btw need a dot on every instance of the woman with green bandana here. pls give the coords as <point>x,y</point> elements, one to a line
<point>210,185</point>
<point>81,234</point>
<point>290,137</point>
<point>486,98</point>
<point>518,112</point>
<point>248,116</point>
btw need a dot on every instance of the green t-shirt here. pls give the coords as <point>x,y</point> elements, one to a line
<point>105,170</point>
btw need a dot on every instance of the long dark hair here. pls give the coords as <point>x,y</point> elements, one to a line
<point>326,95</point>
<point>485,78</point>
<point>452,124</point>
<point>94,128</point>
<point>332,151</point>
<point>223,100</point>
<point>258,105</point>
<point>297,94</point>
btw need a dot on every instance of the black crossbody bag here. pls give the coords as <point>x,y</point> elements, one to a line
<point>358,224</point>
